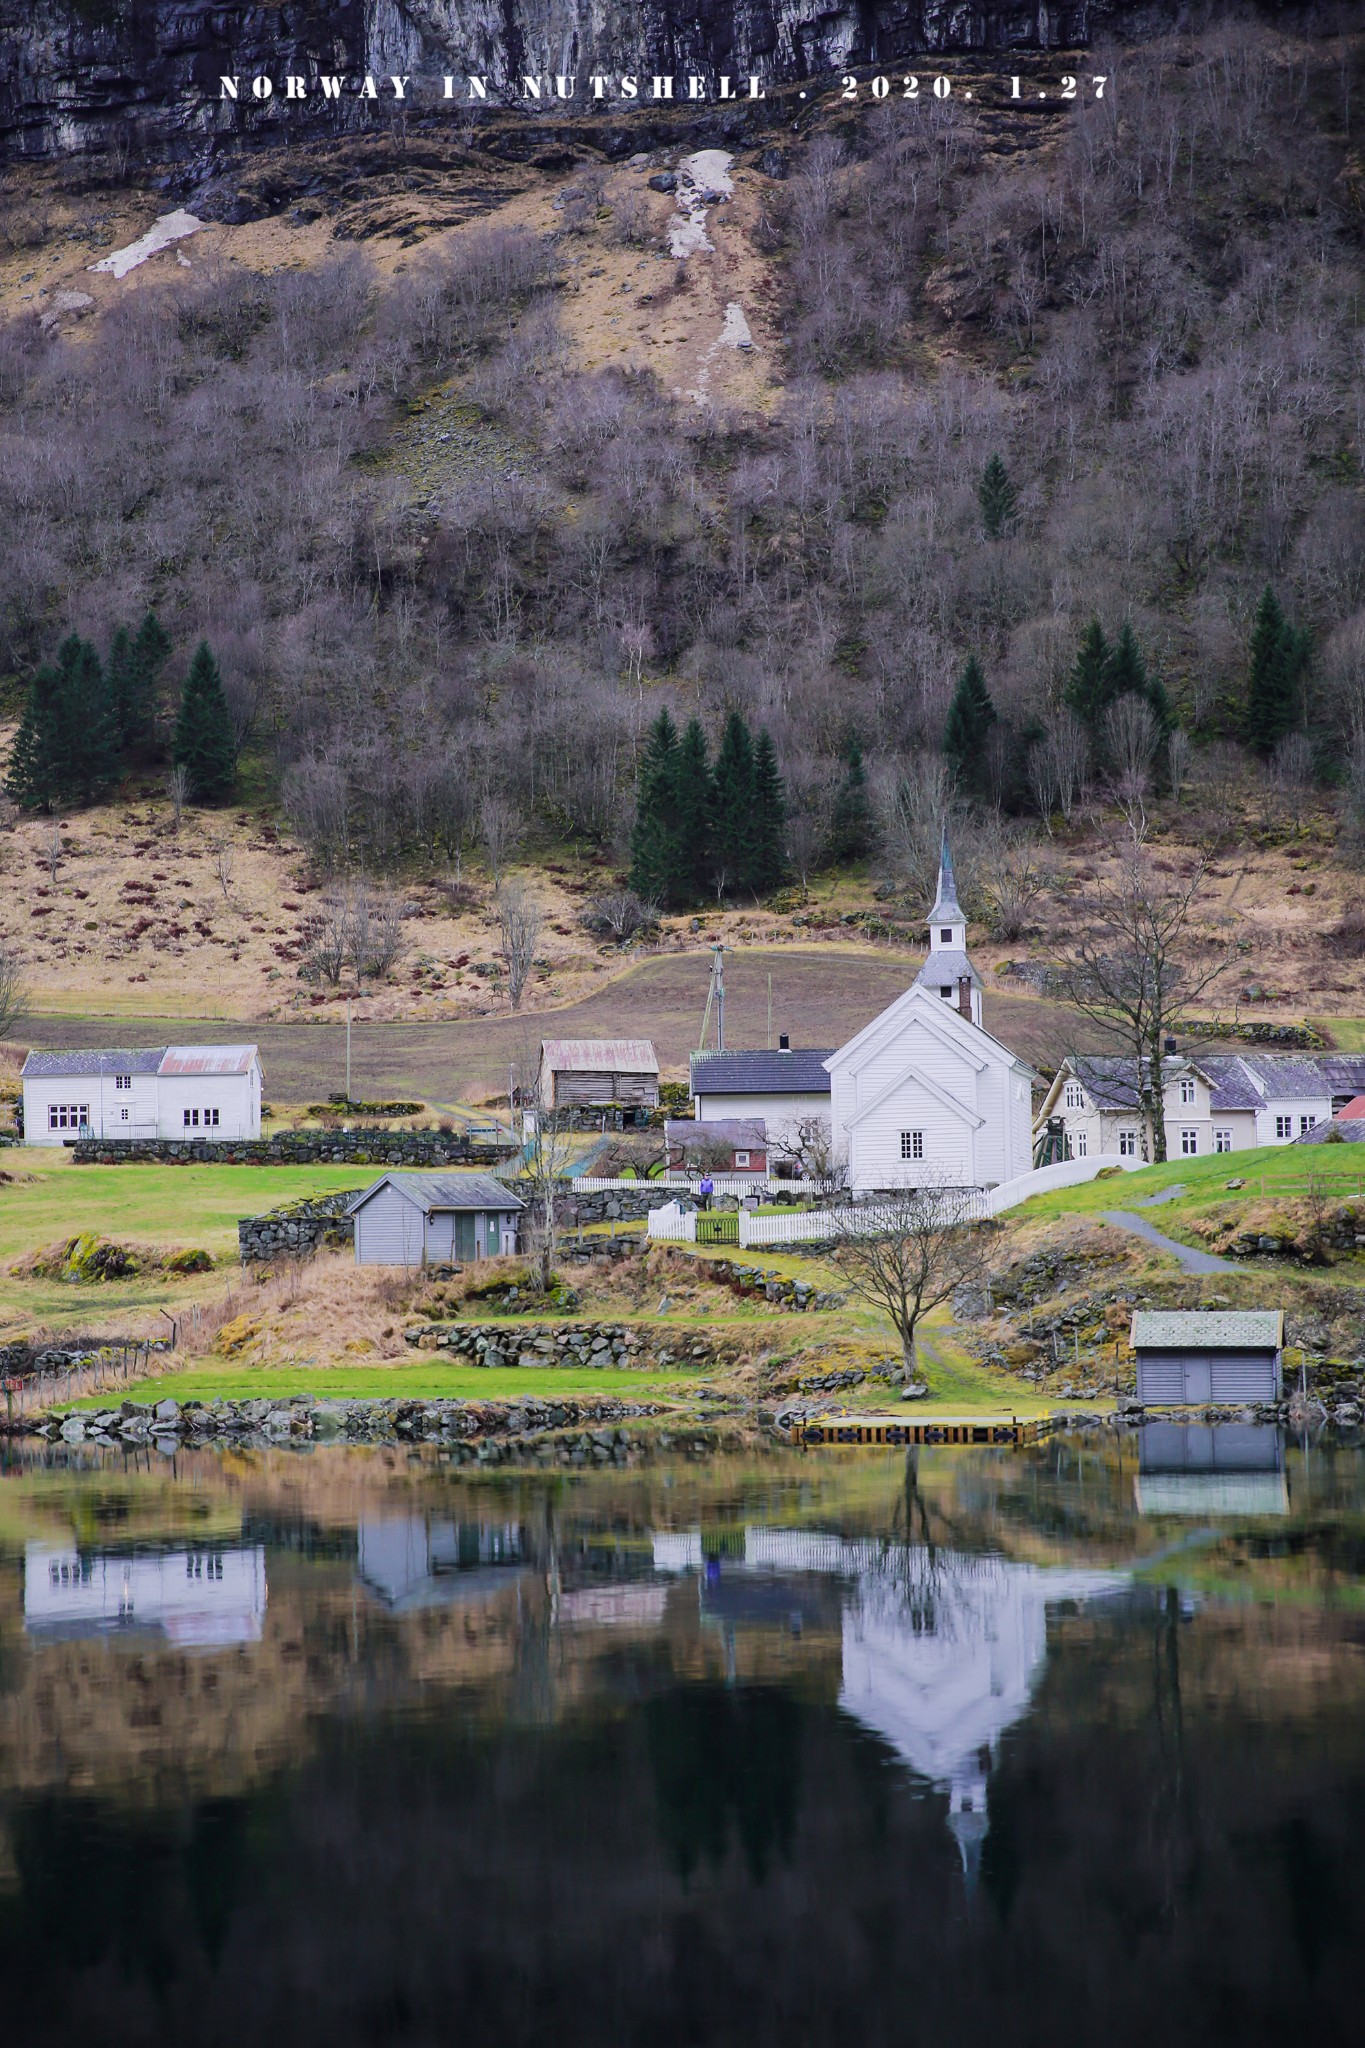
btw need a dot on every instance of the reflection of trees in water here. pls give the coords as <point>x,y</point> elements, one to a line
<point>724,1758</point>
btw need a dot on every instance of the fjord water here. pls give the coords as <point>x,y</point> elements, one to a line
<point>1060,1745</point>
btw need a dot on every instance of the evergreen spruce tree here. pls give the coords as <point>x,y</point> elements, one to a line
<point>1087,687</point>
<point>995,496</point>
<point>37,767</point>
<point>850,825</point>
<point>693,799</point>
<point>135,666</point>
<point>1278,657</point>
<point>970,717</point>
<point>770,818</point>
<point>733,835</point>
<point>203,731</point>
<point>654,841</point>
<point>91,727</point>
<point>1125,670</point>
<point>66,746</point>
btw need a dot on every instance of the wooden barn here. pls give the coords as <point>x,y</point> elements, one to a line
<point>1194,1358</point>
<point>595,1073</point>
<point>416,1219</point>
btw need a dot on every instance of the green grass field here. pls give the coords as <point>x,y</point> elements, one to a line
<point>1272,1171</point>
<point>48,1199</point>
<point>399,1382</point>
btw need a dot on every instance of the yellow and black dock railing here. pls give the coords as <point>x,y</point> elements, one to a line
<point>928,1429</point>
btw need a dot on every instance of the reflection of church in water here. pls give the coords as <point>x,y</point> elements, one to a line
<point>941,1650</point>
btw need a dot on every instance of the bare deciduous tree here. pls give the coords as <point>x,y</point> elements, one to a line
<point>224,860</point>
<point>52,850</point>
<point>546,1135</point>
<point>1291,775</point>
<point>13,990</point>
<point>1137,964</point>
<point>501,828</point>
<point>1131,736</point>
<point>1010,876</point>
<point>520,920</point>
<point>619,915</point>
<point>909,1249</point>
<point>809,1142</point>
<point>177,786</point>
<point>1058,766</point>
<point>1178,760</point>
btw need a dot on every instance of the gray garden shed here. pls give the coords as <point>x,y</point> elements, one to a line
<point>1194,1357</point>
<point>412,1219</point>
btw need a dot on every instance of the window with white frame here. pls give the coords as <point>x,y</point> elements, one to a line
<point>1187,1090</point>
<point>1075,1095</point>
<point>123,1081</point>
<point>1222,1141</point>
<point>741,1159</point>
<point>1080,1143</point>
<point>946,990</point>
<point>1305,1124</point>
<point>1189,1143</point>
<point>912,1144</point>
<point>67,1116</point>
<point>123,1114</point>
<point>1284,1127</point>
<point>1128,1144</point>
<point>191,1119</point>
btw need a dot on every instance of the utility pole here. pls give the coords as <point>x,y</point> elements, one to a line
<point>715,994</point>
<point>770,1009</point>
<point>348,1052</point>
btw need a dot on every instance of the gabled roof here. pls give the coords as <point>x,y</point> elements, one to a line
<point>743,1132</point>
<point>1111,1079</point>
<point>1253,1329</point>
<point>77,1065</point>
<point>799,1071</point>
<point>950,1019</point>
<point>1354,1108</point>
<point>599,1055</point>
<point>207,1059</point>
<point>428,1191</point>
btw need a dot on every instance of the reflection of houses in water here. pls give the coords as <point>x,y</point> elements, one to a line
<point>1225,1468</point>
<point>409,1561</point>
<point>941,1650</point>
<point>196,1599</point>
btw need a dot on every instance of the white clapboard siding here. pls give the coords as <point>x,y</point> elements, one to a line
<point>389,1231</point>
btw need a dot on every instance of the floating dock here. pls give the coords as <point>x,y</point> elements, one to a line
<point>932,1429</point>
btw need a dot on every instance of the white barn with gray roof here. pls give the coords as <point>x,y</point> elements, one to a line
<point>183,1092</point>
<point>417,1219</point>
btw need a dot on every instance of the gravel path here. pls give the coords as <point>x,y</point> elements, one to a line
<point>1189,1260</point>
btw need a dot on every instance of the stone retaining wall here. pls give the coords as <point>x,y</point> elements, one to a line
<point>619,1345</point>
<point>293,1148</point>
<point>544,1431</point>
<point>298,1229</point>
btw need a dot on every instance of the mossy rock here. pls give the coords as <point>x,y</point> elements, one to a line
<point>92,1257</point>
<point>190,1260</point>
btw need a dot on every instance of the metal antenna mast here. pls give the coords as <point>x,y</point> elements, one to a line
<point>715,993</point>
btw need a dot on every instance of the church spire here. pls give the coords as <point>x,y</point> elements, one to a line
<point>947,909</point>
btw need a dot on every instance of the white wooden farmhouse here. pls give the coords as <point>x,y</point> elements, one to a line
<point>924,1094</point>
<point>164,1091</point>
<point>1214,1102</point>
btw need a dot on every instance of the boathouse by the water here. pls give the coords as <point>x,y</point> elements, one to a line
<point>1200,1358</point>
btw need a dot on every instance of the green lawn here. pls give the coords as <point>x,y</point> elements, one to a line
<point>401,1381</point>
<point>1273,1170</point>
<point>48,1199</point>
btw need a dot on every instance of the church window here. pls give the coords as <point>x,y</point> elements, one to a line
<point>912,1144</point>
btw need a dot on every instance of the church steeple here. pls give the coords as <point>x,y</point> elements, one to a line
<point>948,970</point>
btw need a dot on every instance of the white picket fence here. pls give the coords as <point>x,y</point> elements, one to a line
<point>723,1183</point>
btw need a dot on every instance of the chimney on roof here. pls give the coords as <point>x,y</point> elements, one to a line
<point>784,1044</point>
<point>1169,1045</point>
<point>964,995</point>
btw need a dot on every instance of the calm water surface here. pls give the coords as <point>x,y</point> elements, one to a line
<point>1058,1746</point>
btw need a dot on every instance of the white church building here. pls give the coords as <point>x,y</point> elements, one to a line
<point>924,1094</point>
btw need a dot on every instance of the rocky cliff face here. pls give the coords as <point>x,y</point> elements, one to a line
<point>100,74</point>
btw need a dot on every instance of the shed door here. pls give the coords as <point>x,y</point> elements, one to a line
<point>1244,1376</point>
<point>1198,1378</point>
<point>464,1234</point>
